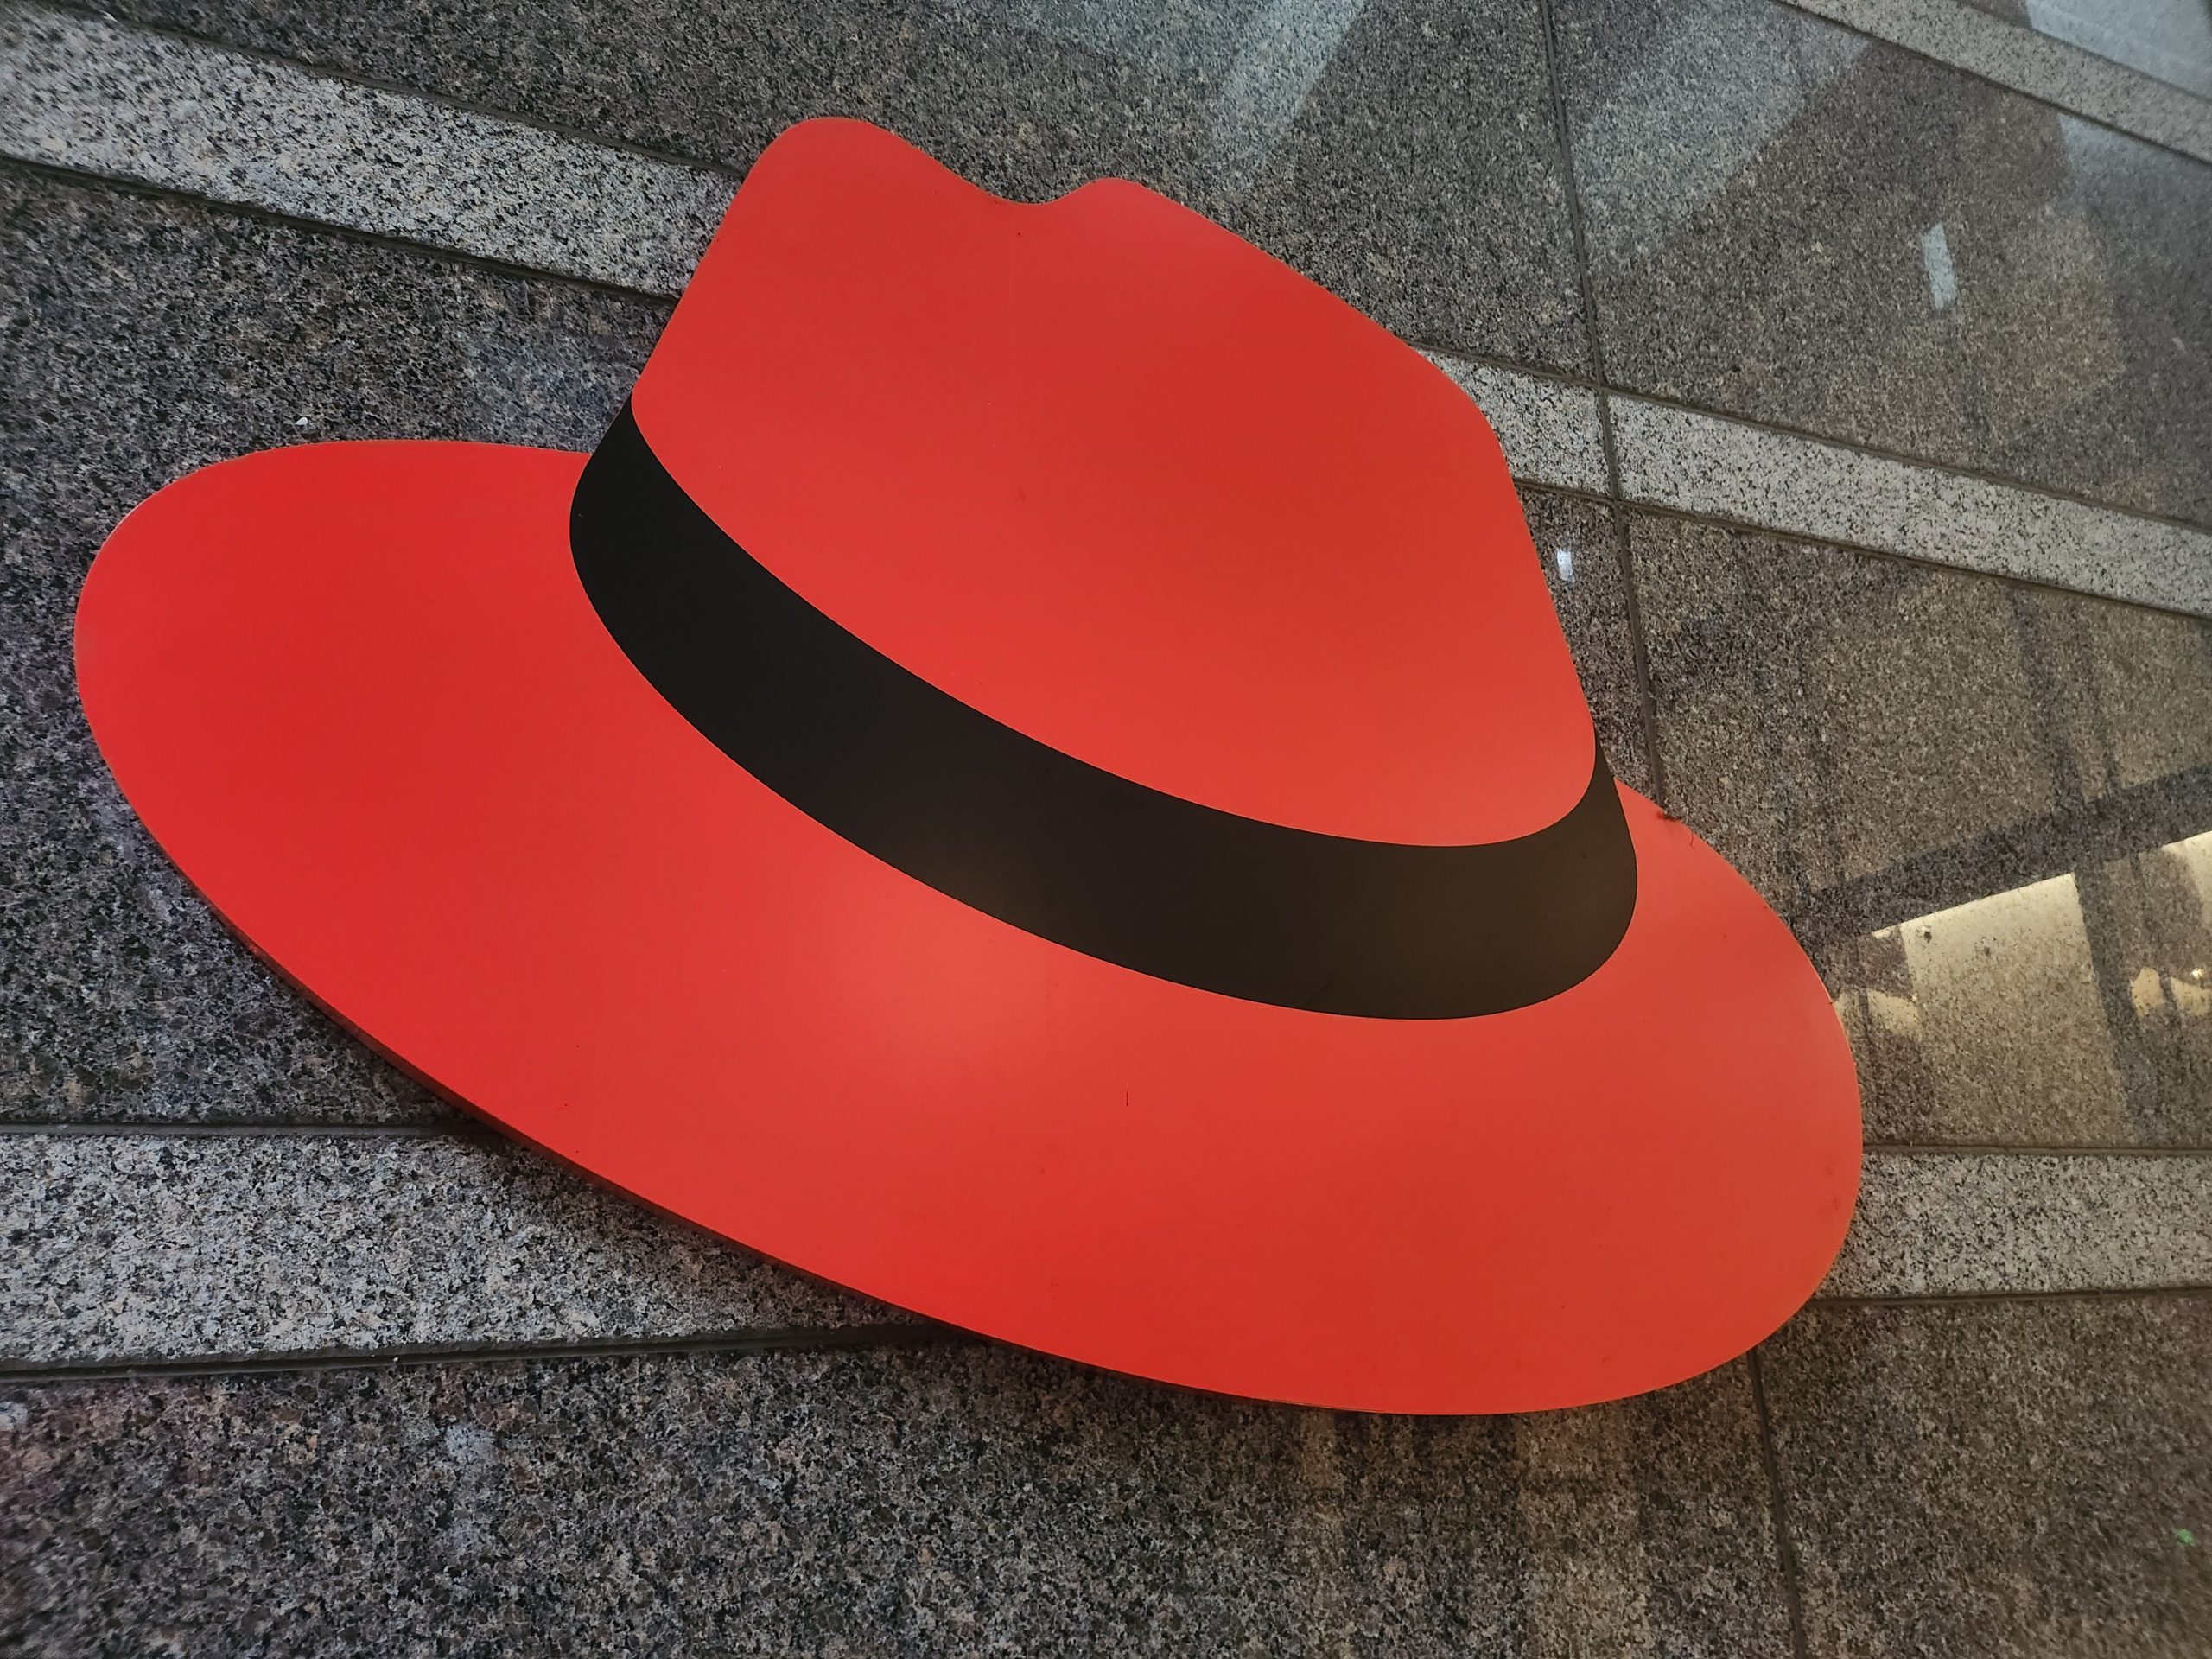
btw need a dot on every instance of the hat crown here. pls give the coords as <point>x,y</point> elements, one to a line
<point>1127,485</point>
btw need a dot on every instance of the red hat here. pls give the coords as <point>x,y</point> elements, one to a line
<point>1034,775</point>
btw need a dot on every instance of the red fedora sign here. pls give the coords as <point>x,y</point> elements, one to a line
<point>1032,774</point>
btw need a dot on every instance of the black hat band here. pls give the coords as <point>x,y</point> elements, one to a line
<point>1061,848</point>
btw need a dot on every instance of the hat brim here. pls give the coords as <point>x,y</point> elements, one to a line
<point>356,692</point>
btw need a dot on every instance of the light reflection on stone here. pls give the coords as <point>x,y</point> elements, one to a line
<point>1999,1000</point>
<point>2076,1007</point>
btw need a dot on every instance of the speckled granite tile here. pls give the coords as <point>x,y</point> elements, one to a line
<point>1548,429</point>
<point>1948,1223</point>
<point>1581,546</point>
<point>1402,152</point>
<point>102,98</point>
<point>94,96</point>
<point>2169,40</point>
<point>2037,63</point>
<point>2075,1010</point>
<point>150,1247</point>
<point>1984,807</point>
<point>1999,1477</point>
<point>144,338</point>
<point>1790,222</point>
<point>1726,469</point>
<point>122,1247</point>
<point>948,1499</point>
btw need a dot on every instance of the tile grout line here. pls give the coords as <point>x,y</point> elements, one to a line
<point>659,300</point>
<point>800,1339</point>
<point>578,138</point>
<point>1785,1543</point>
<point>1993,1149</point>
<point>1730,469</point>
<point>1593,343</point>
<point>1952,1299</point>
<point>88,13</point>
<point>782,1339</point>
<point>487,1134</point>
<point>68,9</point>
<point>244,1128</point>
<point>2052,47</point>
<point>1808,538</point>
<point>1784,428</point>
<point>2152,86</point>
<point>507,269</point>
<point>1615,502</point>
<point>107,99</point>
<point>1907,458</point>
<point>1602,393</point>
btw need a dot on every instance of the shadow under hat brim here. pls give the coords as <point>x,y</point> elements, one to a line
<point>358,693</point>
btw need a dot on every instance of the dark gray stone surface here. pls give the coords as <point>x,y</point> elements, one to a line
<point>121,1248</point>
<point>143,339</point>
<point>1987,807</point>
<point>1999,1478</point>
<point>2171,42</point>
<point>955,1499</point>
<point>150,1247</point>
<point>1952,1224</point>
<point>1581,547</point>
<point>1709,465</point>
<point>1789,221</point>
<point>128,103</point>
<point>1984,807</point>
<point>1402,152</point>
<point>1986,42</point>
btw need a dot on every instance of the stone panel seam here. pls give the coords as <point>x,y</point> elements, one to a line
<point>92,14</point>
<point>113,99</point>
<point>253,212</point>
<point>795,1340</point>
<point>801,1340</point>
<point>1889,21</point>
<point>1785,1544</point>
<point>1532,373</point>
<point>1533,472</point>
<point>66,103</point>
<point>175,1249</point>
<point>447,250</point>
<point>1594,345</point>
<point>467,1130</point>
<point>1944,1299</point>
<point>2036,66</point>
<point>1997,1149</point>
<point>1947,1224</point>
<point>1733,470</point>
<point>1636,509</point>
<point>235,1128</point>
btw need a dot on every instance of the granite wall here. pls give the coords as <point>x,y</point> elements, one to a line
<point>1854,358</point>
